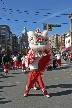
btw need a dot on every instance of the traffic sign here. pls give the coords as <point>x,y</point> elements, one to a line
<point>56,25</point>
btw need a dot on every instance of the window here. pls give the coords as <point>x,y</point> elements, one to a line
<point>3,37</point>
<point>0,39</point>
<point>10,38</point>
<point>3,47</point>
<point>3,41</point>
<point>3,44</point>
<point>7,34</point>
<point>3,32</point>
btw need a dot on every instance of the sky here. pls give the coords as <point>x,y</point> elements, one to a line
<point>18,14</point>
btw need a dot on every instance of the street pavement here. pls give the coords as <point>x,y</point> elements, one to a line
<point>58,83</point>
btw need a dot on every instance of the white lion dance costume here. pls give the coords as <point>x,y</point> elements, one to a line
<point>38,58</point>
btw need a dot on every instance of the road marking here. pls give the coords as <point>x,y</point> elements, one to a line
<point>63,69</point>
<point>56,78</point>
<point>9,83</point>
<point>50,79</point>
<point>68,77</point>
<point>20,100</point>
<point>53,78</point>
<point>13,82</point>
<point>17,82</point>
<point>64,89</point>
<point>67,72</point>
<point>64,64</point>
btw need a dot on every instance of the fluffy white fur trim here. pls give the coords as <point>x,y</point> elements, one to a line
<point>45,33</point>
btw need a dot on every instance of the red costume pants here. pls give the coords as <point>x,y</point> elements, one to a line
<point>6,67</point>
<point>15,64</point>
<point>23,66</point>
<point>58,62</point>
<point>19,64</point>
<point>33,77</point>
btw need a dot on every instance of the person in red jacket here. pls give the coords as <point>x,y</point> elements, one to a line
<point>70,57</point>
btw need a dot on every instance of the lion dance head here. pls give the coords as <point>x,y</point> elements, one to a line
<point>39,42</point>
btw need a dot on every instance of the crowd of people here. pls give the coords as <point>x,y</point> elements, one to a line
<point>67,56</point>
<point>39,58</point>
<point>16,61</point>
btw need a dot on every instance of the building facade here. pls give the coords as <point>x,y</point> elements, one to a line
<point>14,43</point>
<point>19,44</point>
<point>61,40</point>
<point>24,42</point>
<point>57,41</point>
<point>54,41</point>
<point>5,37</point>
<point>68,40</point>
<point>10,37</point>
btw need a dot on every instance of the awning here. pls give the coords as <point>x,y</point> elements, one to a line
<point>69,48</point>
<point>66,49</point>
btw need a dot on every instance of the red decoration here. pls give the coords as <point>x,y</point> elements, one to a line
<point>45,61</point>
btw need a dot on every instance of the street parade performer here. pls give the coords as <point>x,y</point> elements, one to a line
<point>6,61</point>
<point>39,58</point>
<point>23,64</point>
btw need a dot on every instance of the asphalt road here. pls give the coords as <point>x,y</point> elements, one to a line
<point>58,83</point>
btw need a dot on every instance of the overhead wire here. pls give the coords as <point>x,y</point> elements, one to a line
<point>38,14</point>
<point>11,16</point>
<point>9,21</point>
<point>58,13</point>
<point>54,15</point>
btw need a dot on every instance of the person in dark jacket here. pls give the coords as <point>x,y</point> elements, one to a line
<point>54,61</point>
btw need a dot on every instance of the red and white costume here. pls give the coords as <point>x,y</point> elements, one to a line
<point>39,57</point>
<point>6,64</point>
<point>15,62</point>
<point>58,62</point>
<point>23,64</point>
<point>6,67</point>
